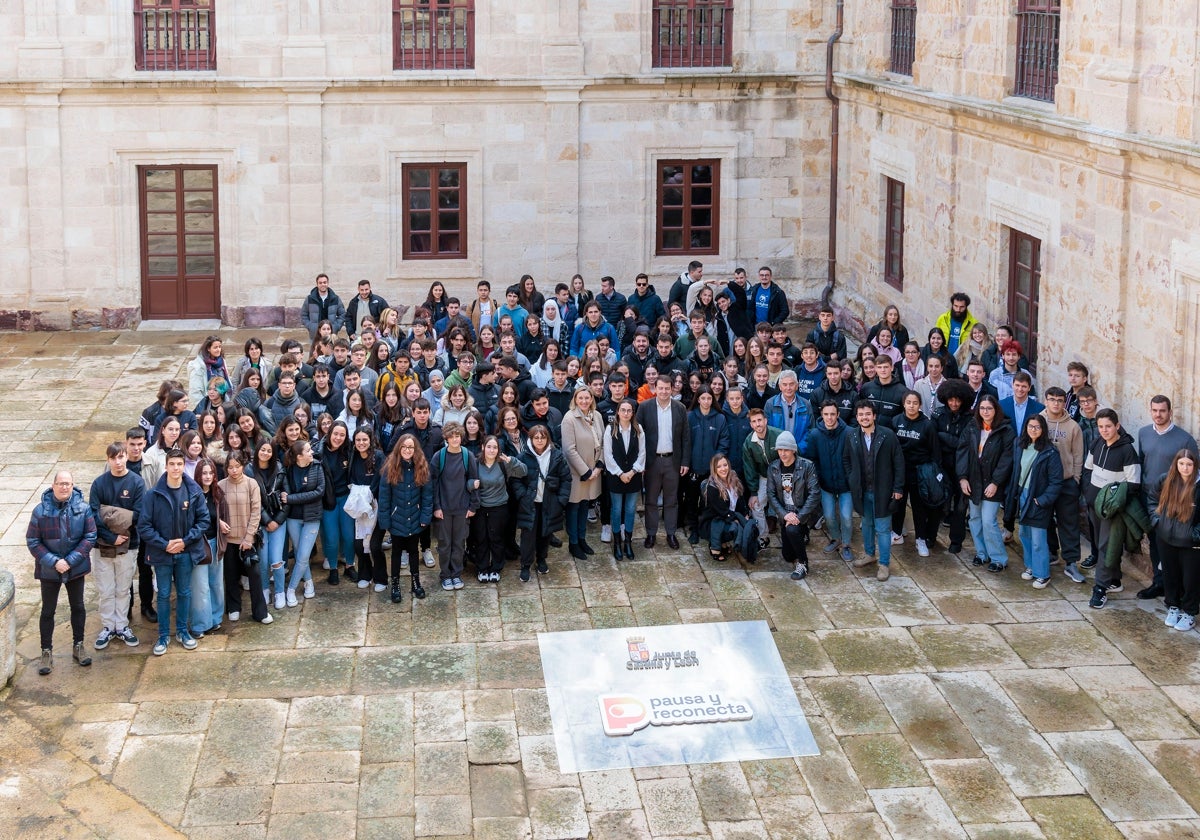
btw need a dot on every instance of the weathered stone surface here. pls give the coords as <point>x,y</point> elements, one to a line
<point>557,814</point>
<point>1179,763</point>
<point>610,790</point>
<point>931,727</point>
<point>497,791</point>
<point>441,767</point>
<point>243,743</point>
<point>1019,753</point>
<point>671,806</point>
<point>873,651</point>
<point>139,772</point>
<point>915,813</point>
<point>851,705</point>
<point>1071,818</point>
<point>903,603</point>
<point>1133,703</point>
<point>1052,701</point>
<point>974,791</point>
<point>965,648</point>
<point>1060,645</point>
<point>492,742</point>
<point>1124,784</point>
<point>386,790</point>
<point>884,761</point>
<point>970,607</point>
<point>380,670</point>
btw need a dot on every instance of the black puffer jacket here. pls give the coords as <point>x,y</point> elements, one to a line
<point>555,494</point>
<point>994,465</point>
<point>305,490</point>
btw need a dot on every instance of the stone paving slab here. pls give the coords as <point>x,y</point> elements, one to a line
<point>947,702</point>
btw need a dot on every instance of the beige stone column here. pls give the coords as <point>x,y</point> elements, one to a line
<point>306,192</point>
<point>562,186</point>
<point>40,55</point>
<point>47,279</point>
<point>304,49</point>
<point>1099,62</point>
<point>562,54</point>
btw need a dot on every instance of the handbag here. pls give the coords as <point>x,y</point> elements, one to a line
<point>208,554</point>
<point>249,559</point>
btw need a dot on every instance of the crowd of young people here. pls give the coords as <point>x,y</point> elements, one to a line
<point>493,427</point>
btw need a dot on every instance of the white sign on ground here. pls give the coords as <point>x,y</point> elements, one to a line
<point>680,694</point>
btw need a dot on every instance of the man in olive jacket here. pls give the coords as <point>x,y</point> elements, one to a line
<point>874,468</point>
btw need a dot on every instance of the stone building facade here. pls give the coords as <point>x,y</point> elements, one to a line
<point>563,121</point>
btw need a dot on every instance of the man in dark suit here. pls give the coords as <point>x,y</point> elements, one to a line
<point>668,458</point>
<point>874,468</point>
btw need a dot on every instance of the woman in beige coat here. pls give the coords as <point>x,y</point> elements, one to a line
<point>583,444</point>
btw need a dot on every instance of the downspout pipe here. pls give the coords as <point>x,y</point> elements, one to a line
<point>827,292</point>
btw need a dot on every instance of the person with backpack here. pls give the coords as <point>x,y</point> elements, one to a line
<point>455,477</point>
<point>793,497</point>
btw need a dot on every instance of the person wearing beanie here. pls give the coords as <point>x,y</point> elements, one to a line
<point>792,498</point>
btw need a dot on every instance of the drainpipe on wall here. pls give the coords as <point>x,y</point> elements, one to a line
<point>827,292</point>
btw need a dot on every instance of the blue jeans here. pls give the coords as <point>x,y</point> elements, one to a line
<point>985,531</point>
<point>179,573</point>
<point>577,521</point>
<point>337,534</point>
<point>304,537</point>
<point>208,589</point>
<point>1037,551</point>
<point>624,509</point>
<point>838,509</point>
<point>876,529</point>
<point>716,533</point>
<point>272,555</point>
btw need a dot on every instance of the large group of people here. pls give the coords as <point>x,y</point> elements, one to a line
<point>491,427</point>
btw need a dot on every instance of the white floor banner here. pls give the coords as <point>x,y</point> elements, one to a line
<point>680,694</point>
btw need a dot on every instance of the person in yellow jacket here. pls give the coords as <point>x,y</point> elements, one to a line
<point>957,321</point>
<point>398,370</point>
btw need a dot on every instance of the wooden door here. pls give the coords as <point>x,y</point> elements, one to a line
<point>181,262</point>
<point>1024,282</point>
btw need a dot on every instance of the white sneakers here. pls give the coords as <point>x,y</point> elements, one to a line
<point>606,533</point>
<point>897,539</point>
<point>309,591</point>
<point>281,600</point>
<point>922,548</point>
<point>291,599</point>
<point>429,561</point>
<point>363,583</point>
<point>379,587</point>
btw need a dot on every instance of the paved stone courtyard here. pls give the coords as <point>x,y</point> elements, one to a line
<point>947,702</point>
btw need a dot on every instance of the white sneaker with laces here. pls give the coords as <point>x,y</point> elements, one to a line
<point>363,583</point>
<point>309,591</point>
<point>606,533</point>
<point>897,539</point>
<point>1185,622</point>
<point>291,598</point>
<point>1027,575</point>
<point>379,587</point>
<point>1172,616</point>
<point>429,561</point>
<point>234,616</point>
<point>922,548</point>
<point>281,600</point>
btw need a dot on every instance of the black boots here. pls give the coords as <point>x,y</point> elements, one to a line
<point>396,598</point>
<point>618,541</point>
<point>417,590</point>
<point>577,551</point>
<point>628,546</point>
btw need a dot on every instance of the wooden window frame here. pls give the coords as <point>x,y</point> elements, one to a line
<point>1038,48</point>
<point>440,22</point>
<point>434,171</point>
<point>893,233</point>
<point>904,36</point>
<point>687,208</point>
<point>178,22</point>
<point>181,235</point>
<point>1025,330</point>
<point>682,33</point>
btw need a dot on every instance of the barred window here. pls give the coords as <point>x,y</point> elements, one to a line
<point>174,35</point>
<point>433,34</point>
<point>693,33</point>
<point>1037,48</point>
<point>904,36</point>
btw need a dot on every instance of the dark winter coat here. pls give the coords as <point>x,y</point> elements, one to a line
<point>845,398</point>
<point>888,462</point>
<point>777,305</point>
<point>994,465</point>
<point>405,508</point>
<point>826,448</point>
<point>1034,506</point>
<point>710,435</point>
<point>305,490</point>
<point>918,441</point>
<point>160,522</point>
<point>950,426</point>
<point>313,312</point>
<point>739,428</point>
<point>270,483</point>
<point>717,508</point>
<point>650,305</point>
<point>337,466</point>
<point>828,343</point>
<point>887,399</point>
<point>555,494</point>
<point>61,531</point>
<point>802,419</point>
